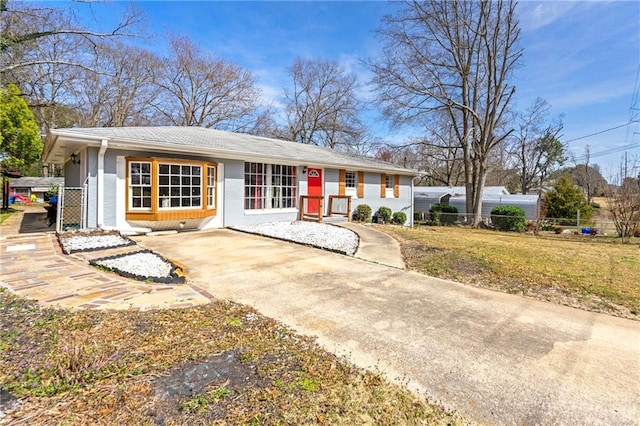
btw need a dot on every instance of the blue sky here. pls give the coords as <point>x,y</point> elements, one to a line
<point>582,57</point>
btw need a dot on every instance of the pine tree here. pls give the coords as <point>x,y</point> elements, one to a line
<point>565,200</point>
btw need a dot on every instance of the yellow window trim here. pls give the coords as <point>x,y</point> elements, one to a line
<point>155,213</point>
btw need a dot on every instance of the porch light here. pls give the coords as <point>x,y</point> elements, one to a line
<point>74,158</point>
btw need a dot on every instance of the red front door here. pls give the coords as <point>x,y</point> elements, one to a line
<point>314,187</point>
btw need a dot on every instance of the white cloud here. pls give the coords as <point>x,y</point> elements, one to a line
<point>535,15</point>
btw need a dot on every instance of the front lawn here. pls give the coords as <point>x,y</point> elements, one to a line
<point>6,213</point>
<point>590,272</point>
<point>221,363</point>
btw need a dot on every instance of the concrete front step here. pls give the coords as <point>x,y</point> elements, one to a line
<point>334,219</point>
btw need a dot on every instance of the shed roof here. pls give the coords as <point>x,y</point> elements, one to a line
<point>36,182</point>
<point>201,141</point>
<point>458,190</point>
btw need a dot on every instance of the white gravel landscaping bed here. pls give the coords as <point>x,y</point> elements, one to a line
<point>320,235</point>
<point>142,265</point>
<point>79,241</point>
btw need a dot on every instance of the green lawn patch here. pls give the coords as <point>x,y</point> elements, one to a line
<point>590,272</point>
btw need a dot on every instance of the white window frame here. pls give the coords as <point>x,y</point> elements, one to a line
<point>211,187</point>
<point>278,190</point>
<point>138,181</point>
<point>351,190</point>
<point>389,184</point>
<point>178,187</point>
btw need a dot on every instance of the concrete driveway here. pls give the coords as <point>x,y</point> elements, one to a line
<point>495,358</point>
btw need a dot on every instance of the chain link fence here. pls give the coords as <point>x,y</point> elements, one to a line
<point>592,226</point>
<point>71,208</point>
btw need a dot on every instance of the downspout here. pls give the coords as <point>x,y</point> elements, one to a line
<point>100,195</point>
<point>412,200</point>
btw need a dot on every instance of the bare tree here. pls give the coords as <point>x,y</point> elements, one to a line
<point>201,90</point>
<point>454,58</point>
<point>322,108</point>
<point>534,145</point>
<point>623,201</point>
<point>588,176</point>
<point>44,51</point>
<point>121,94</point>
<point>24,26</point>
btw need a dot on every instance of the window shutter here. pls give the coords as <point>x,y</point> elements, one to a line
<point>396,186</point>
<point>342,182</point>
<point>360,184</point>
<point>383,185</point>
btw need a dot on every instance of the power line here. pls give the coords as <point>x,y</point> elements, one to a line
<point>600,132</point>
<point>614,150</point>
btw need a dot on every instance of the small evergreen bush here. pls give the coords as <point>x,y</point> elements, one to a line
<point>508,218</point>
<point>362,213</point>
<point>384,214</point>
<point>443,214</point>
<point>399,218</point>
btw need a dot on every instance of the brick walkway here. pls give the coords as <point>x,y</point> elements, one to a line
<point>33,266</point>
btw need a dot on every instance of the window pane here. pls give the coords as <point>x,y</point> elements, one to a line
<point>175,169</point>
<point>163,169</point>
<point>269,186</point>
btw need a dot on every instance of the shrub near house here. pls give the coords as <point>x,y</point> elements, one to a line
<point>399,218</point>
<point>362,213</point>
<point>383,215</point>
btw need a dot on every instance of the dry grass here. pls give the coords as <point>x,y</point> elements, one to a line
<point>218,364</point>
<point>594,273</point>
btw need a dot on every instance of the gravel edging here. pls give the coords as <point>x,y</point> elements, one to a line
<point>323,236</point>
<point>82,241</point>
<point>122,262</point>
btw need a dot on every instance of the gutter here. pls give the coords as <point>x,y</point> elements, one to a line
<point>100,195</point>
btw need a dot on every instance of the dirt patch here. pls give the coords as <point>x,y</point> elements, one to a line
<point>220,363</point>
<point>200,383</point>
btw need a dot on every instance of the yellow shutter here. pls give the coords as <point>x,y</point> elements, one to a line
<point>396,186</point>
<point>383,185</point>
<point>342,182</point>
<point>360,184</point>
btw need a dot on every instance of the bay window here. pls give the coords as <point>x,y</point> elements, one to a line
<point>164,189</point>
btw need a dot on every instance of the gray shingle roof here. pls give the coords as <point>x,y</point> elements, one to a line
<point>233,145</point>
<point>36,182</point>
